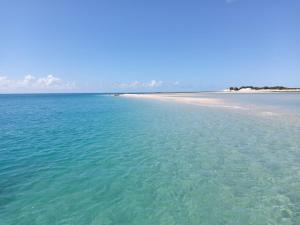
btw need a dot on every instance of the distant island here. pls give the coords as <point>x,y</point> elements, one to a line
<point>262,89</point>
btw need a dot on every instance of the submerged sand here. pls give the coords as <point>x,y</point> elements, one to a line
<point>180,98</point>
<point>202,99</point>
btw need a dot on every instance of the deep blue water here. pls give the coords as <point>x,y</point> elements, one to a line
<point>98,159</point>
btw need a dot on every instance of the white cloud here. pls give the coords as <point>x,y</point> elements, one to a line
<point>138,84</point>
<point>50,80</point>
<point>28,79</point>
<point>149,85</point>
<point>155,83</point>
<point>31,83</point>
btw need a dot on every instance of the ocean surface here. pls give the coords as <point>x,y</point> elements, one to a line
<point>91,159</point>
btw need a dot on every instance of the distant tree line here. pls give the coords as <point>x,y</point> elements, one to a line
<point>260,88</point>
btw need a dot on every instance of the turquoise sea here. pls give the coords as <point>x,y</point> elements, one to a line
<point>92,159</point>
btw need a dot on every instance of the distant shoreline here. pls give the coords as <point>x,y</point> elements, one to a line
<point>266,89</point>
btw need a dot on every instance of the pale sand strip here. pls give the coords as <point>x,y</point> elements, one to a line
<point>213,102</point>
<point>186,98</point>
<point>178,98</point>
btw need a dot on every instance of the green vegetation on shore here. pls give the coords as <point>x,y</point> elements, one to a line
<point>282,88</point>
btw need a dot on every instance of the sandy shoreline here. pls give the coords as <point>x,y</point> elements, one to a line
<point>202,100</point>
<point>185,98</point>
<point>180,98</point>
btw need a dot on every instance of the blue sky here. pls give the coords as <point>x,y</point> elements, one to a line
<point>153,45</point>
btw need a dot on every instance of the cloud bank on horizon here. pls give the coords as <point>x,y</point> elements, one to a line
<point>146,86</point>
<point>29,83</point>
<point>54,84</point>
<point>138,84</point>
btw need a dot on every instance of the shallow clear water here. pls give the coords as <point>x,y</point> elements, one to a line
<point>94,159</point>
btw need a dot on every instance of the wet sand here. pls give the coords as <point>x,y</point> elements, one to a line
<point>180,98</point>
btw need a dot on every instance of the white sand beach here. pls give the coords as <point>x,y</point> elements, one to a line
<point>180,98</point>
<point>202,100</point>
